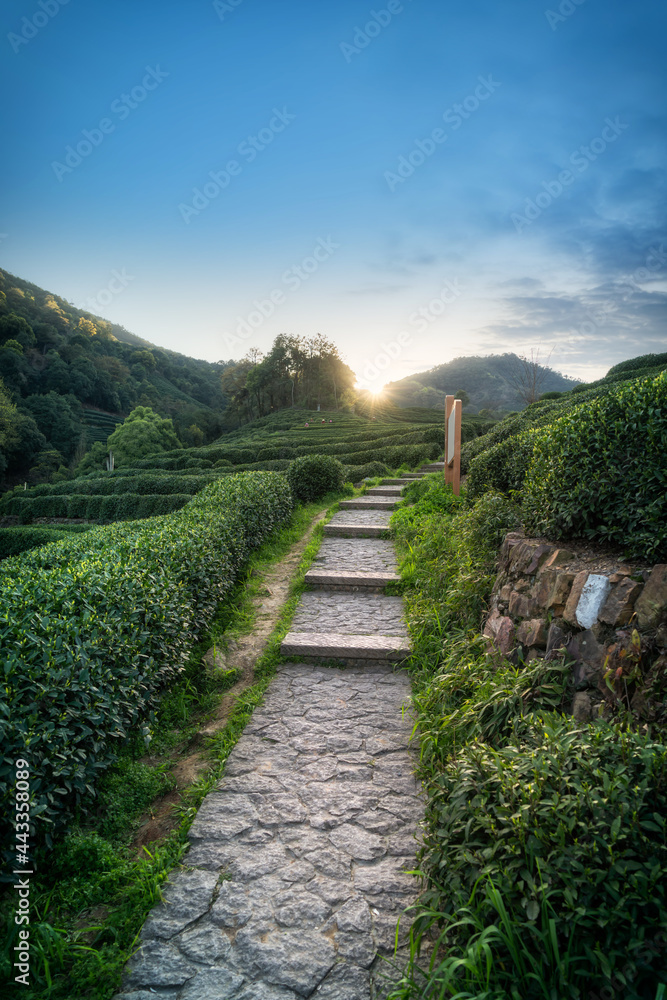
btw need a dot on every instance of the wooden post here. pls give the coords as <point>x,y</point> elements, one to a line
<point>453,409</point>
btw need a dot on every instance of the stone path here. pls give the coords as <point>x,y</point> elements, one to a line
<point>297,870</point>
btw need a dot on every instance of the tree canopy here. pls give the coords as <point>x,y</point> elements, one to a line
<point>142,433</point>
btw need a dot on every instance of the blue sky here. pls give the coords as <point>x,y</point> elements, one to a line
<point>416,180</point>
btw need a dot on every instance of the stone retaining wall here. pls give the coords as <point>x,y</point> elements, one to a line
<point>610,617</point>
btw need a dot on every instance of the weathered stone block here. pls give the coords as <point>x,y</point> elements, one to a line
<point>569,614</point>
<point>500,630</point>
<point>582,707</point>
<point>512,539</point>
<point>589,656</point>
<point>559,592</point>
<point>593,596</point>
<point>559,557</point>
<point>619,605</point>
<point>651,607</point>
<point>533,633</point>
<point>521,605</point>
<point>556,640</point>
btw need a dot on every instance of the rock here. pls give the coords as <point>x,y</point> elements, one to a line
<point>297,959</point>
<point>215,662</point>
<point>528,554</point>
<point>354,916</point>
<point>187,897</point>
<point>651,607</point>
<point>211,984</point>
<point>619,605</point>
<point>559,592</point>
<point>510,542</point>
<point>560,557</point>
<point>532,633</point>
<point>590,597</point>
<point>620,574</point>
<point>501,631</point>
<point>540,555</point>
<point>582,707</point>
<point>661,637</point>
<point>521,606</point>
<point>589,656</point>
<point>569,614</point>
<point>556,640</point>
<point>203,944</point>
<point>158,963</point>
<point>345,982</point>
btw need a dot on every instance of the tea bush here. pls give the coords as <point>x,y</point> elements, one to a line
<point>501,467</point>
<point>94,625</point>
<point>599,472</point>
<point>313,476</point>
<point>13,541</point>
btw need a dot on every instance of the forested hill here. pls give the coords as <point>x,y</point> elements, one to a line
<point>77,374</point>
<point>491,383</point>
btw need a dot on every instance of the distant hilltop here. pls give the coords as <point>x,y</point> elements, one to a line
<point>490,383</point>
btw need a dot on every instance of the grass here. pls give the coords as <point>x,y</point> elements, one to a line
<point>545,857</point>
<point>90,902</point>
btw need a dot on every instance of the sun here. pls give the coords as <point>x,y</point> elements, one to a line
<point>377,390</point>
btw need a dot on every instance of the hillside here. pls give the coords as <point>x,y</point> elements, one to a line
<point>490,383</point>
<point>73,376</point>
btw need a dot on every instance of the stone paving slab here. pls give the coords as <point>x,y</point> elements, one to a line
<point>369,503</point>
<point>384,491</point>
<point>356,555</point>
<point>354,531</point>
<point>297,871</point>
<point>353,614</point>
<point>345,646</point>
<point>374,517</point>
<point>350,579</point>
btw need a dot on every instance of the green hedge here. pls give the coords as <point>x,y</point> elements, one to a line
<point>119,507</point>
<point>600,472</point>
<point>356,473</point>
<point>13,541</point>
<point>93,626</point>
<point>110,485</point>
<point>503,466</point>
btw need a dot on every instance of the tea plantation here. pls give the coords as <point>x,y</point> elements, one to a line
<point>365,445</point>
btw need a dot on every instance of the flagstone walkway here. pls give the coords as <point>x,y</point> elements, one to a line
<point>297,870</point>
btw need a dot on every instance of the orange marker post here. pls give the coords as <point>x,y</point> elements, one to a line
<point>453,409</point>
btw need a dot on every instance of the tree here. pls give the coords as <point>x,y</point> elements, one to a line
<point>527,375</point>
<point>59,418</point>
<point>142,433</point>
<point>464,397</point>
<point>20,439</point>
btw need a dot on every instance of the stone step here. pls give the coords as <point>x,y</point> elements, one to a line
<point>433,467</point>
<point>342,578</point>
<point>393,482</point>
<point>385,491</point>
<point>333,645</point>
<point>355,530</point>
<point>412,475</point>
<point>372,503</point>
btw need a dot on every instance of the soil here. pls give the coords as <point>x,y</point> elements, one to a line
<point>241,654</point>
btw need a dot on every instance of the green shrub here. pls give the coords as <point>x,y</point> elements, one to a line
<point>599,472</point>
<point>13,541</point>
<point>501,467</point>
<point>552,845</point>
<point>93,626</point>
<point>313,476</point>
<point>358,472</point>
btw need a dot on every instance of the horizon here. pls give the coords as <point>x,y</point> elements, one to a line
<point>409,184</point>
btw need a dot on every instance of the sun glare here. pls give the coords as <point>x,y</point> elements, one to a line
<point>377,390</point>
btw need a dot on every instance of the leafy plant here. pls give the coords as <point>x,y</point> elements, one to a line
<point>312,477</point>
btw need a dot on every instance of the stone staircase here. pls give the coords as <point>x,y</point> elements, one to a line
<point>346,615</point>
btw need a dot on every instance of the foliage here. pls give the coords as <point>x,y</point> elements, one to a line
<point>13,541</point>
<point>92,628</point>
<point>369,471</point>
<point>501,467</point>
<point>599,471</point>
<point>545,857</point>
<point>142,433</point>
<point>313,476</point>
